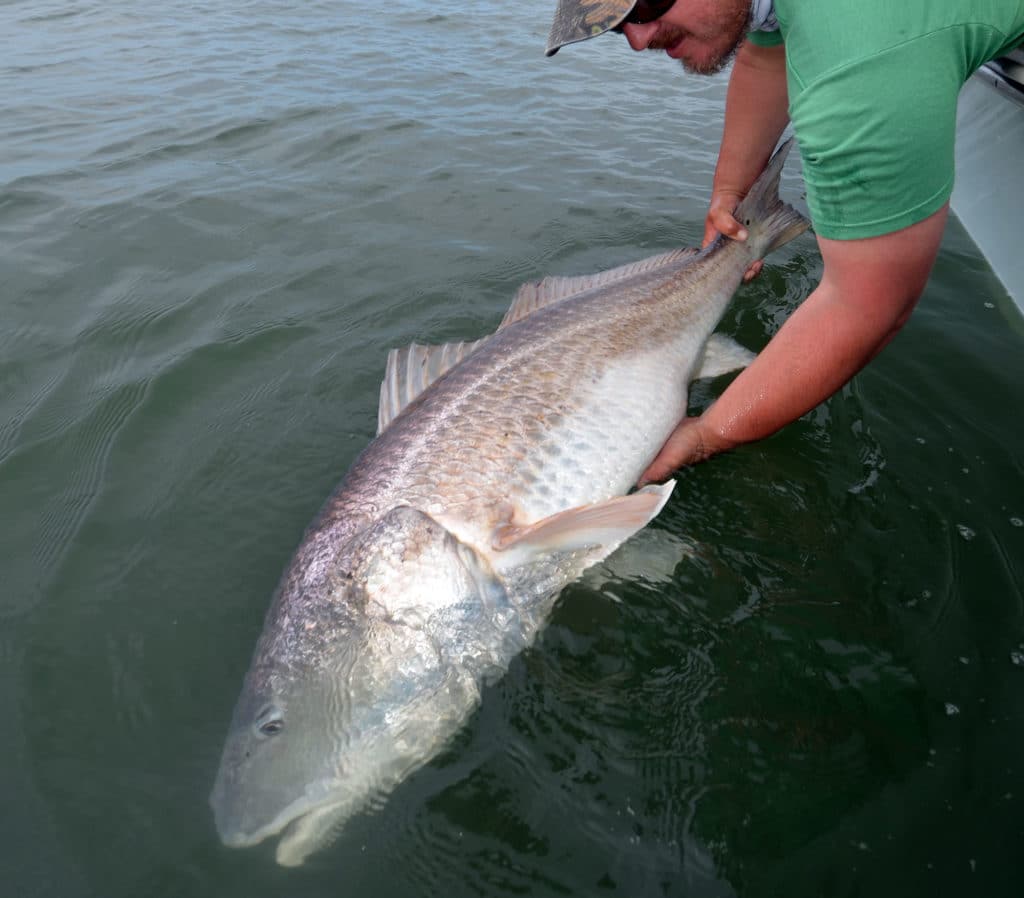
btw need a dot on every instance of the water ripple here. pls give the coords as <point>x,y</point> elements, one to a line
<point>215,222</point>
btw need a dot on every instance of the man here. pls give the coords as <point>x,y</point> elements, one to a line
<point>871,89</point>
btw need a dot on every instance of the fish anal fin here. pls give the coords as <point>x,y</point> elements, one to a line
<point>596,529</point>
<point>723,354</point>
<point>413,368</point>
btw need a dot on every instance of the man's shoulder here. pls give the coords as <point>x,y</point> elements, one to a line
<point>873,92</point>
<point>824,37</point>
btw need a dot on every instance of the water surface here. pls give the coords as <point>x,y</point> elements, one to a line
<point>807,678</point>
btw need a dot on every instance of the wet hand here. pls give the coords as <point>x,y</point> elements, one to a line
<point>720,220</point>
<point>688,444</point>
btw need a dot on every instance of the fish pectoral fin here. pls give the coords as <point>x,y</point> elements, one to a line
<point>599,528</point>
<point>723,354</point>
<point>413,368</point>
<point>538,294</point>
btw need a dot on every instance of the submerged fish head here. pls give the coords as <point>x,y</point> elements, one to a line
<point>275,769</point>
<point>356,684</point>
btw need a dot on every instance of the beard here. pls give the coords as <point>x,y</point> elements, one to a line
<point>713,65</point>
<point>720,53</point>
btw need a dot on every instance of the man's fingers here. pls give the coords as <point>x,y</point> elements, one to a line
<point>709,232</point>
<point>720,220</point>
<point>655,473</point>
<point>722,223</point>
<point>753,271</point>
<point>726,224</point>
<point>664,464</point>
<point>683,447</point>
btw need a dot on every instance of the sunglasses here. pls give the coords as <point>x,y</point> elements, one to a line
<point>645,11</point>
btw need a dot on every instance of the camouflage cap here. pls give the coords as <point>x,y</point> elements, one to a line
<point>577,20</point>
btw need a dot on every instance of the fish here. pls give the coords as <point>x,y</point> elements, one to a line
<point>502,469</point>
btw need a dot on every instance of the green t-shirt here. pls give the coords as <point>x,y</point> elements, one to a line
<point>873,88</point>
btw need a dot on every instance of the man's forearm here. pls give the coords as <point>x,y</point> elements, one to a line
<point>821,346</point>
<point>756,113</point>
<point>868,291</point>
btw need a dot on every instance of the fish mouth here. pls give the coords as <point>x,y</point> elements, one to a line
<point>304,826</point>
<point>234,835</point>
<point>304,834</point>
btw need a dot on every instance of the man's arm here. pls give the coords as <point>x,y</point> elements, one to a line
<point>756,114</point>
<point>867,292</point>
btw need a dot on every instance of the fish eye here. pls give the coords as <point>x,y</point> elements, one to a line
<point>270,721</point>
<point>272,727</point>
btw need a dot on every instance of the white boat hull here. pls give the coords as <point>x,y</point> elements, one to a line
<point>990,172</point>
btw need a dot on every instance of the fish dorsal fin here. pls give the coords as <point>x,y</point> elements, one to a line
<point>723,354</point>
<point>593,530</point>
<point>413,368</point>
<point>538,294</point>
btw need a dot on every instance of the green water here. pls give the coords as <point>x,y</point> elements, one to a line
<point>807,678</point>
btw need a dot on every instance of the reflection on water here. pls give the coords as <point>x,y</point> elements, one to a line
<point>804,679</point>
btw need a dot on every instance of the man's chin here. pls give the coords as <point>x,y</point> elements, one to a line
<point>706,55</point>
<point>707,66</point>
<point>700,63</point>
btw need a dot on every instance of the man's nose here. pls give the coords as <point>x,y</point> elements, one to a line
<point>639,36</point>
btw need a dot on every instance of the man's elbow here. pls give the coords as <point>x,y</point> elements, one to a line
<point>905,308</point>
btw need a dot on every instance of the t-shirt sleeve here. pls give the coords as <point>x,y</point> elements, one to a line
<point>876,137</point>
<point>765,38</point>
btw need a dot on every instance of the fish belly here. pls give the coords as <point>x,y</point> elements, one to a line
<point>617,425</point>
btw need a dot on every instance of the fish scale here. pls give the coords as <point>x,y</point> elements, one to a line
<point>492,416</point>
<point>502,470</point>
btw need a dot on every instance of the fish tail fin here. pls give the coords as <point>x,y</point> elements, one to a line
<point>770,222</point>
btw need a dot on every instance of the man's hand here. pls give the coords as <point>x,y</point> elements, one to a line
<point>755,116</point>
<point>689,443</point>
<point>867,291</point>
<point>720,220</point>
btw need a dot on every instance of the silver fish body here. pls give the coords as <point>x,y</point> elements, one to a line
<point>501,471</point>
